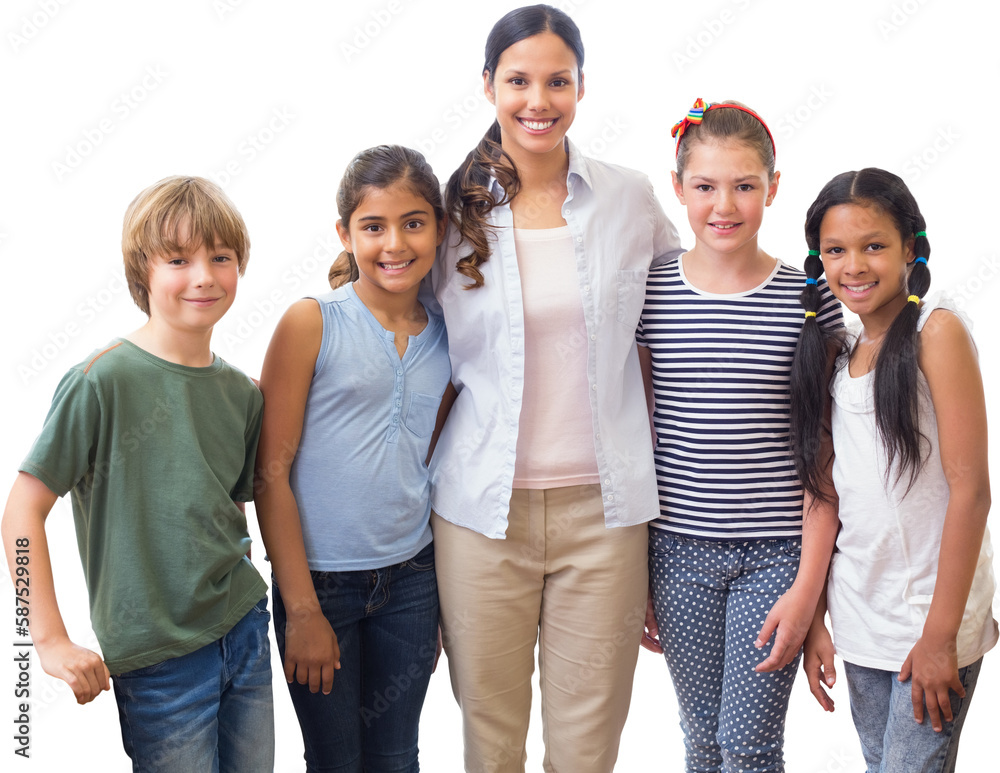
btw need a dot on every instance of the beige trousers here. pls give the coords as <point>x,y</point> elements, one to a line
<point>577,588</point>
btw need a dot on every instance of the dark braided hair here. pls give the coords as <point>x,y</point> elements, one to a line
<point>895,379</point>
<point>467,195</point>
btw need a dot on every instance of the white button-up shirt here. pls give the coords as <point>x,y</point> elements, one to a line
<point>618,229</point>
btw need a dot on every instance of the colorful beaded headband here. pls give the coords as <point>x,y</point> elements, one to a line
<point>697,114</point>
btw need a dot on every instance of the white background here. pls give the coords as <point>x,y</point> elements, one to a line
<point>101,99</point>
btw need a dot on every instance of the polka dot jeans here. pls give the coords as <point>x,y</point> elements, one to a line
<point>710,599</point>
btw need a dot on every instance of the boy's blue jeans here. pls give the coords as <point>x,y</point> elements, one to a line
<point>386,621</point>
<point>209,710</point>
<point>891,739</point>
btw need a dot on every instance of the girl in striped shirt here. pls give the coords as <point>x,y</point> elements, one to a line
<point>717,338</point>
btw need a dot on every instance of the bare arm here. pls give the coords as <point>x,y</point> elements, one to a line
<point>651,635</point>
<point>791,617</point>
<point>949,362</point>
<point>817,657</point>
<point>28,506</point>
<point>646,367</point>
<point>311,650</point>
<point>447,400</point>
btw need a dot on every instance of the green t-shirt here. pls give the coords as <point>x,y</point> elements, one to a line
<point>155,454</point>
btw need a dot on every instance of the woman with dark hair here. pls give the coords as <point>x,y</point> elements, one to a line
<point>543,480</point>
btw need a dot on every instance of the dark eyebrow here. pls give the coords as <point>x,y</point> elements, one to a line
<point>411,213</point>
<point>867,237</point>
<point>551,75</point>
<point>740,181</point>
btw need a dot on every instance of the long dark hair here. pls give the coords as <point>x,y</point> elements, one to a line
<point>469,199</point>
<point>895,379</point>
<point>381,167</point>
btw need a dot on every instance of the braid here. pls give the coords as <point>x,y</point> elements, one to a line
<point>896,366</point>
<point>896,395</point>
<point>809,384</point>
<point>469,199</point>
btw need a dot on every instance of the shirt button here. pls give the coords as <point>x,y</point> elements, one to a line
<point>586,288</point>
<point>607,481</point>
<point>399,372</point>
<point>593,337</point>
<point>579,238</point>
<point>398,403</point>
<point>594,387</point>
<point>611,497</point>
<point>565,213</point>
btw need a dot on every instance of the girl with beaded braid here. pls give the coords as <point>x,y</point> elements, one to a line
<point>911,583</point>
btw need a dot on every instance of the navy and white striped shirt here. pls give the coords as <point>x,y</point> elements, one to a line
<point>721,371</point>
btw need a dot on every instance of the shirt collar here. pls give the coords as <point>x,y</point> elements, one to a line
<point>578,165</point>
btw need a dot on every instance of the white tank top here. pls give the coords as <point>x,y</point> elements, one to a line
<point>883,573</point>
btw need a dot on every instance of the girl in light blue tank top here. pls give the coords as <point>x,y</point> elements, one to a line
<point>352,385</point>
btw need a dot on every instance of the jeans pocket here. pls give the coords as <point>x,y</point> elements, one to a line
<point>662,543</point>
<point>139,673</point>
<point>792,547</point>
<point>422,561</point>
<point>260,608</point>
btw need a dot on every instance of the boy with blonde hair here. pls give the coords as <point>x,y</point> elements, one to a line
<point>155,437</point>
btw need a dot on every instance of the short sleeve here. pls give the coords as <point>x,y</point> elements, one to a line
<point>640,336</point>
<point>243,490</point>
<point>65,450</point>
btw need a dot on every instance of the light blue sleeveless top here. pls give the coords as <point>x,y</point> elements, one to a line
<point>359,476</point>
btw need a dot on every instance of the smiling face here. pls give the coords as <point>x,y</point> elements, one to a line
<point>393,234</point>
<point>535,88</point>
<point>865,259</point>
<point>190,289</point>
<point>725,189</point>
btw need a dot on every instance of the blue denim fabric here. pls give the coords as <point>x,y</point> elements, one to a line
<point>710,598</point>
<point>891,739</point>
<point>209,710</point>
<point>386,623</point>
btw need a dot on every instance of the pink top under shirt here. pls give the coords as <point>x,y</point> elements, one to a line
<point>555,445</point>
